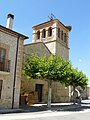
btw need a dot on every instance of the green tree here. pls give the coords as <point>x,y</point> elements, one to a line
<point>52,68</point>
<point>31,66</point>
<point>56,70</point>
<point>77,78</point>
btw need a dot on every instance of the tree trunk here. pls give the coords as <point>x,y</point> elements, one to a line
<point>49,98</point>
<point>74,95</point>
<point>49,94</point>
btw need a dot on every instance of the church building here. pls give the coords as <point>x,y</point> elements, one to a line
<point>48,38</point>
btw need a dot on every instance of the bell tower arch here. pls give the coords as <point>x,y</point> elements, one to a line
<point>54,35</point>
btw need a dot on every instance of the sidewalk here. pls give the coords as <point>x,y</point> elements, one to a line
<point>54,107</point>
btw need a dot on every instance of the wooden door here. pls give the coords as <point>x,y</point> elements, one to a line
<point>39,88</point>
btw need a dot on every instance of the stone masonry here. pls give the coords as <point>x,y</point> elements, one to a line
<point>10,91</point>
<point>50,37</point>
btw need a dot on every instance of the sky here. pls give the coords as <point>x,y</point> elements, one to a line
<point>76,13</point>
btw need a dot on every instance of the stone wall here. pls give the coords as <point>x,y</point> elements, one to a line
<point>88,92</point>
<point>28,85</point>
<point>7,88</point>
<point>62,51</point>
<point>18,74</point>
<point>36,48</point>
<point>51,46</point>
<point>9,42</point>
<point>60,93</point>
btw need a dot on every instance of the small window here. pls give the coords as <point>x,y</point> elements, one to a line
<point>62,34</point>
<point>44,33</point>
<point>65,37</point>
<point>1,82</point>
<point>59,32</point>
<point>38,35</point>
<point>2,54</point>
<point>50,32</point>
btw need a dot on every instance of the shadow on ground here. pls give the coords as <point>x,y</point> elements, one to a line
<point>71,107</point>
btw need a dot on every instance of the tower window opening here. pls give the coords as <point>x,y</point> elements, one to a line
<point>59,32</point>
<point>38,35</point>
<point>62,34</point>
<point>50,32</point>
<point>44,33</point>
<point>65,37</point>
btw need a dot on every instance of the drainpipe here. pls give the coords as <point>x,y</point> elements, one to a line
<point>13,95</point>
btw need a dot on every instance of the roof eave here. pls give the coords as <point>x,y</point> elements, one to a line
<point>2,28</point>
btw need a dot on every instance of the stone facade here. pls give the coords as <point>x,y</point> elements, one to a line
<point>49,38</point>
<point>12,42</point>
<point>29,86</point>
<point>88,91</point>
<point>36,48</point>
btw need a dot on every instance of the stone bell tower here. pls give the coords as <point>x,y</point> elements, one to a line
<point>50,37</point>
<point>54,35</point>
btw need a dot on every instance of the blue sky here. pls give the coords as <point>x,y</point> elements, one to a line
<point>70,12</point>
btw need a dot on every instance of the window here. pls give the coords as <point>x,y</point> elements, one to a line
<point>4,62</point>
<point>1,82</point>
<point>44,33</point>
<point>65,37</point>
<point>38,35</point>
<point>2,54</point>
<point>50,32</point>
<point>62,34</point>
<point>59,32</point>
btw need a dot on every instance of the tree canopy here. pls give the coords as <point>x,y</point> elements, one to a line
<point>54,68</point>
<point>77,78</point>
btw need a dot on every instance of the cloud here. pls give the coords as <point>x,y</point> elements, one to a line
<point>80,60</point>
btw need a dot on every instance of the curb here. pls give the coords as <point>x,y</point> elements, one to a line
<point>7,111</point>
